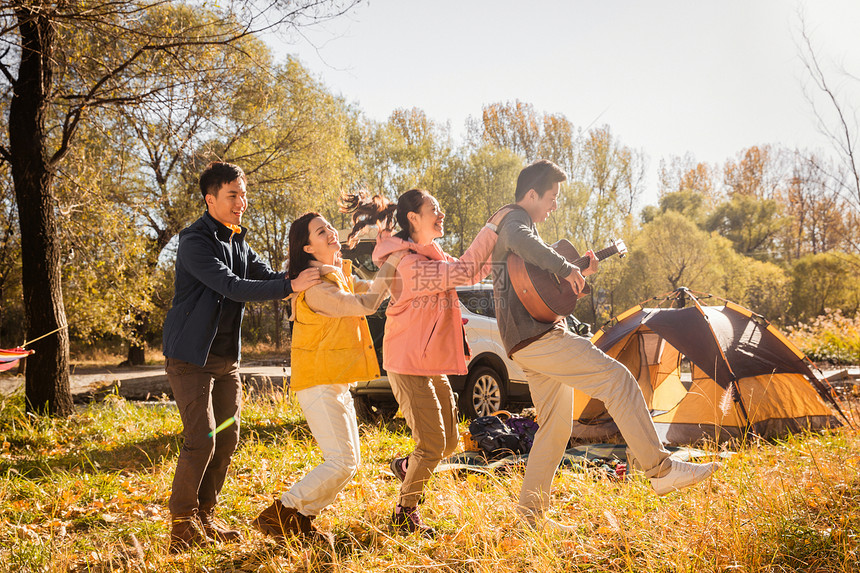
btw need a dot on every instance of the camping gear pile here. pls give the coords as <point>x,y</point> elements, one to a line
<point>500,434</point>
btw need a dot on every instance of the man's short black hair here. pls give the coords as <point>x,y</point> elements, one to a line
<point>540,176</point>
<point>216,175</point>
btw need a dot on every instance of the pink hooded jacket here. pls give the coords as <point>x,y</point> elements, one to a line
<point>424,328</point>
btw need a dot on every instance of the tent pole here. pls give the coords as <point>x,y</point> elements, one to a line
<point>736,396</point>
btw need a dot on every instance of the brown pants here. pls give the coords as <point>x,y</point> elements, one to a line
<point>205,397</point>
<point>427,403</point>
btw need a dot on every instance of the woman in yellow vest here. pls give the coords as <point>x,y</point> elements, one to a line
<point>331,350</point>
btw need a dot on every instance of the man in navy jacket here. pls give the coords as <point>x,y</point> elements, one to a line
<point>216,273</point>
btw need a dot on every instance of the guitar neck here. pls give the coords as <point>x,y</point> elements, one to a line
<point>583,261</point>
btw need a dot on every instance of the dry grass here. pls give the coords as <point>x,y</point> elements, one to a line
<point>89,494</point>
<point>831,337</point>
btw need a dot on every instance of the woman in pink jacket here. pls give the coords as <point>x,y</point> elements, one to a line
<point>424,338</point>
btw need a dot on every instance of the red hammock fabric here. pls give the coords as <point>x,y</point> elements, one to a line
<point>9,358</point>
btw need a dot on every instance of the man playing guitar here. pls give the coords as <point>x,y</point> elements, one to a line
<point>556,360</point>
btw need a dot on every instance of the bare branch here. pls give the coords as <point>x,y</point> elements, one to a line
<point>9,77</point>
<point>842,139</point>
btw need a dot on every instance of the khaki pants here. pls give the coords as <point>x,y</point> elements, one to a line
<point>554,365</point>
<point>205,398</point>
<point>427,403</point>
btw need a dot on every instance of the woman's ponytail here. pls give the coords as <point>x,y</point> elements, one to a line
<point>367,211</point>
<point>374,210</point>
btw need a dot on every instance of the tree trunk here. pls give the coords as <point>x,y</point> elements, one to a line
<point>136,354</point>
<point>137,345</point>
<point>47,379</point>
<point>276,312</point>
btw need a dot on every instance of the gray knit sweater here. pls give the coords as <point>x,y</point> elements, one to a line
<point>518,234</point>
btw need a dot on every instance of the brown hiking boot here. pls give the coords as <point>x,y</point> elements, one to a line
<point>278,520</point>
<point>408,520</point>
<point>281,521</point>
<point>216,530</point>
<point>184,533</point>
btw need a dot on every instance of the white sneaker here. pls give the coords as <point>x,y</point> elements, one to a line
<point>543,525</point>
<point>681,475</point>
<point>554,526</point>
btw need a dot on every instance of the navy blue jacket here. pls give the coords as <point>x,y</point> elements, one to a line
<point>204,278</point>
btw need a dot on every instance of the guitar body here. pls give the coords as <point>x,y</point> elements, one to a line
<point>547,297</point>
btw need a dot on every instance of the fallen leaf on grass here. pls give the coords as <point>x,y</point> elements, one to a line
<point>510,542</point>
<point>27,532</point>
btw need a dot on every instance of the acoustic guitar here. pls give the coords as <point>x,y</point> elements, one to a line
<point>546,296</point>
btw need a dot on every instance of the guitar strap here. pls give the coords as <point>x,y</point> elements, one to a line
<point>509,208</point>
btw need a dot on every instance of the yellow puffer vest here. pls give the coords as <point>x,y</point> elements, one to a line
<point>331,350</point>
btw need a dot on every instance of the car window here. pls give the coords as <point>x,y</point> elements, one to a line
<point>479,302</point>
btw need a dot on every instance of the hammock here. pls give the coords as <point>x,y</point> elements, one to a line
<point>9,358</point>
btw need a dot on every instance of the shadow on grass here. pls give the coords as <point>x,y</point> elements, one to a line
<point>152,451</point>
<point>270,433</point>
<point>315,557</point>
<point>132,456</point>
<point>392,425</point>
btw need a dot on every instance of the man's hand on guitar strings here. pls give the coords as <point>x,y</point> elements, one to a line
<point>592,264</point>
<point>576,280</point>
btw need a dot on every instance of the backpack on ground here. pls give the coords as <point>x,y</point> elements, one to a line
<point>496,439</point>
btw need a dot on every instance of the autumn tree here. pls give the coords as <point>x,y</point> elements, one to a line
<point>560,141</point>
<point>818,217</point>
<point>762,286</point>
<point>825,281</point>
<point>107,280</point>
<point>603,192</point>
<point>408,150</point>
<point>757,171</point>
<point>298,159</point>
<point>152,153</point>
<point>750,223</point>
<point>512,125</point>
<point>473,188</point>
<point>751,215</point>
<point>61,63</point>
<point>682,173</point>
<point>685,186</point>
<point>671,252</point>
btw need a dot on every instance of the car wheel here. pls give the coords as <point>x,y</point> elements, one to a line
<point>484,393</point>
<point>372,411</point>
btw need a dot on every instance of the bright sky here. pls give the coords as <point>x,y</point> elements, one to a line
<point>710,77</point>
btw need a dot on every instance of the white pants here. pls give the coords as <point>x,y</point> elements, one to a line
<point>554,365</point>
<point>330,414</point>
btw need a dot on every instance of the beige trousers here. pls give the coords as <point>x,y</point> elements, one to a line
<point>427,403</point>
<point>554,365</point>
<point>330,414</point>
